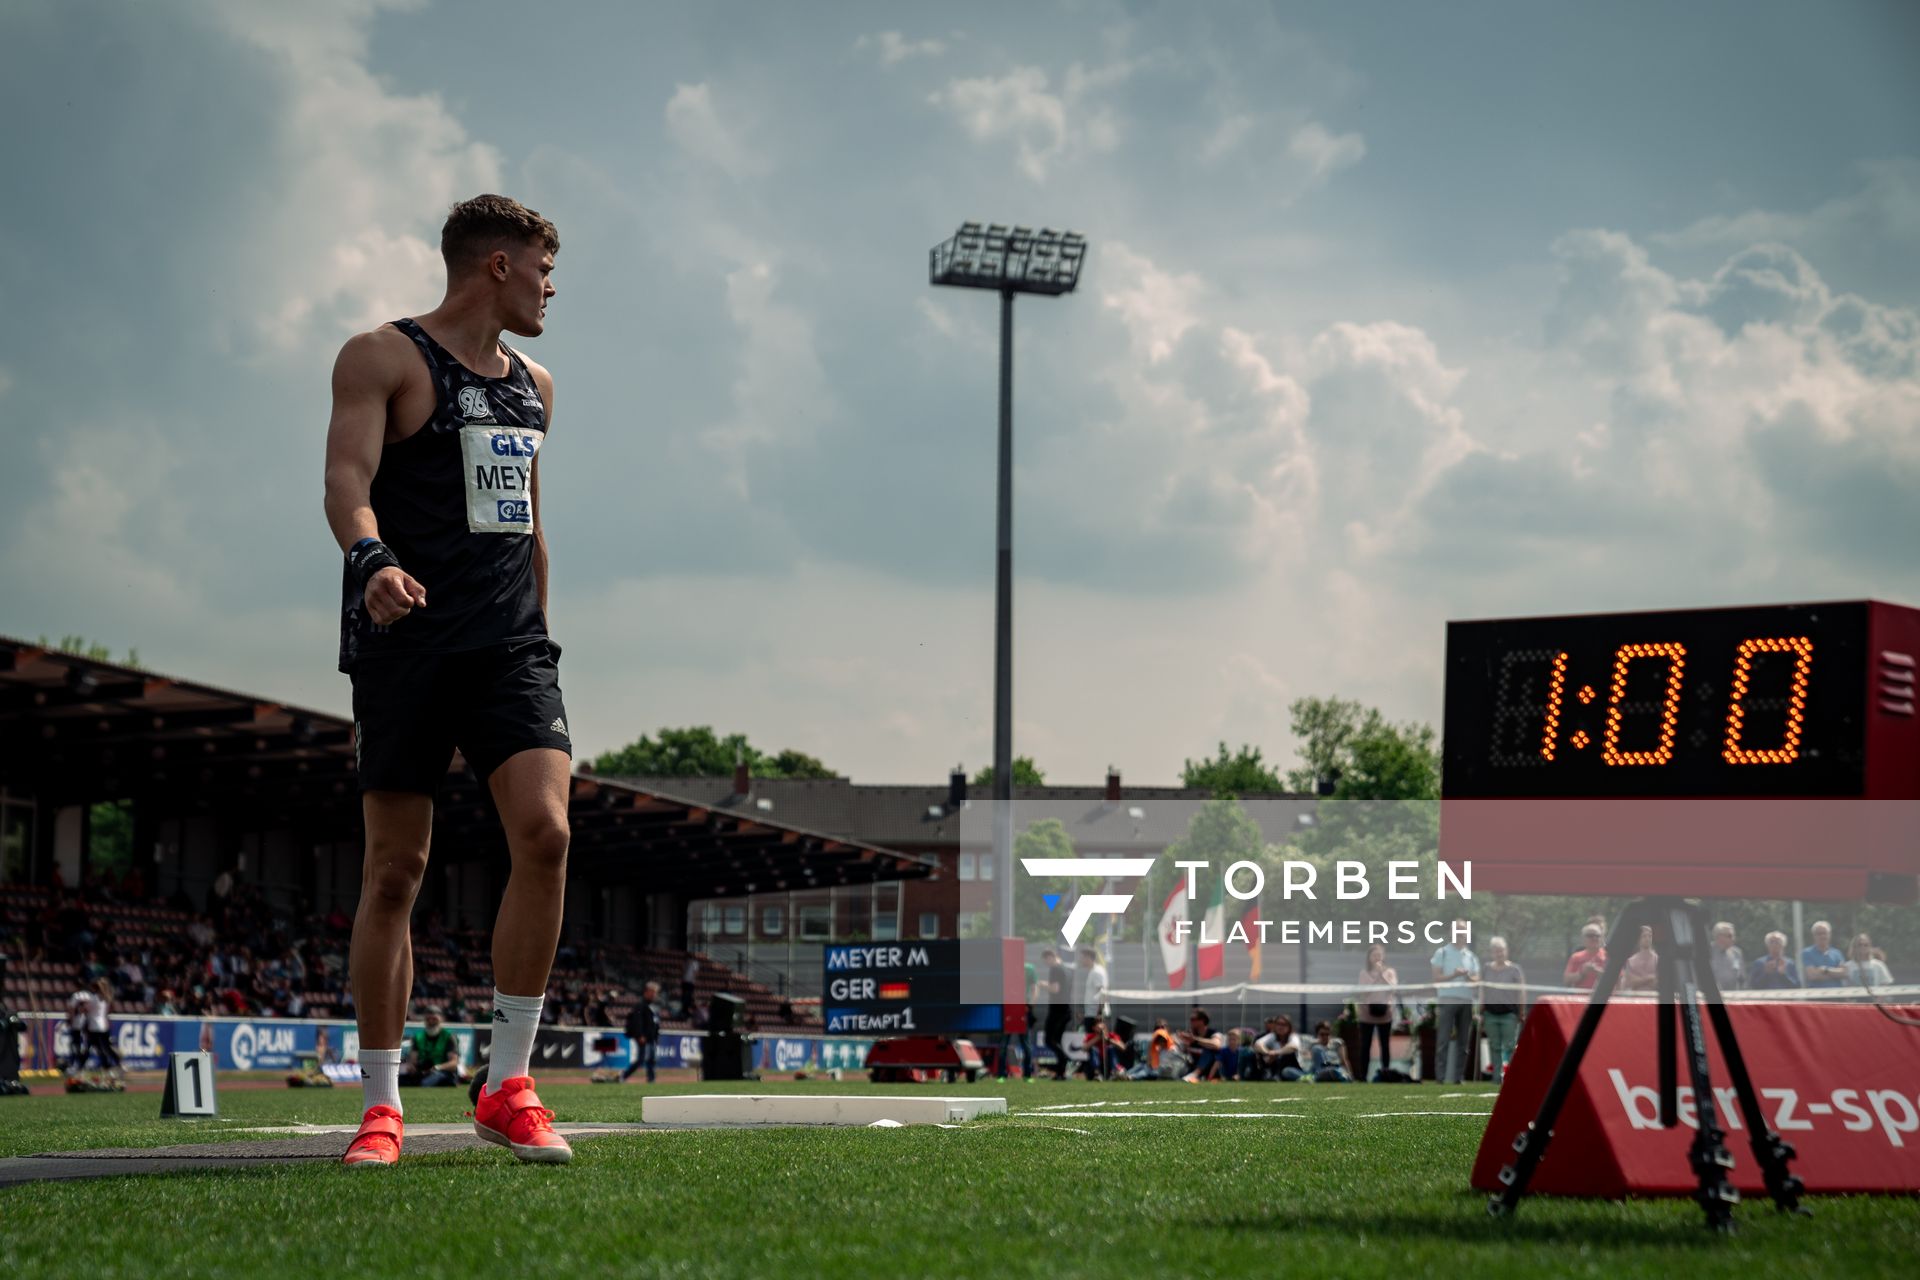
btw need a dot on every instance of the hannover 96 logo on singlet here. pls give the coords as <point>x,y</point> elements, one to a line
<point>499,477</point>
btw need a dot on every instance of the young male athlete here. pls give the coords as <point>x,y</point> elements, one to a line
<point>433,493</point>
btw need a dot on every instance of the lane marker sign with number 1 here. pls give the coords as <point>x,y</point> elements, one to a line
<point>189,1090</point>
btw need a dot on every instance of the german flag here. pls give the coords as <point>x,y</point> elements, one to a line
<point>896,990</point>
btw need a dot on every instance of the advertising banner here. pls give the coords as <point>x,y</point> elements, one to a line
<point>1839,1082</point>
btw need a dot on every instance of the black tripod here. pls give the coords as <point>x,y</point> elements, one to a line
<point>1685,975</point>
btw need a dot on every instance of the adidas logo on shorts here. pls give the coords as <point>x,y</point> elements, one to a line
<point>559,726</point>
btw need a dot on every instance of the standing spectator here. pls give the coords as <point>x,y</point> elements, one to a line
<point>1585,966</point>
<point>688,976</point>
<point>1822,965</point>
<point>1327,1057</point>
<point>1093,988</point>
<point>1642,970</point>
<point>1022,1039</point>
<point>1375,1008</point>
<point>1729,965</point>
<point>1057,988</point>
<point>1279,1054</point>
<point>1775,971</point>
<point>1202,1045</point>
<point>1456,970</point>
<point>1865,969</point>
<point>1503,995</point>
<point>643,1032</point>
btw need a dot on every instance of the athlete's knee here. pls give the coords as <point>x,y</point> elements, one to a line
<point>540,843</point>
<point>393,872</point>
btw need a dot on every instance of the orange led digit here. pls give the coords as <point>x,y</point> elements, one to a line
<point>1801,647</point>
<point>1623,658</point>
<point>1557,684</point>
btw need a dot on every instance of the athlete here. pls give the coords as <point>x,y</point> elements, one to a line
<point>433,493</point>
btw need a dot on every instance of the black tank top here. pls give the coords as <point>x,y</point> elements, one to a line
<point>454,502</point>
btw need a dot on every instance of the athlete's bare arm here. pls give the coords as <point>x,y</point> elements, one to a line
<point>369,373</point>
<point>544,381</point>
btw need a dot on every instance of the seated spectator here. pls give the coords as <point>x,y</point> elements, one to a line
<point>1163,1059</point>
<point>1279,1054</point>
<point>1642,970</point>
<point>1327,1057</point>
<point>1822,965</point>
<point>1585,966</point>
<point>1202,1045</point>
<point>1865,968</point>
<point>432,1058</point>
<point>1103,1050</point>
<point>1775,971</point>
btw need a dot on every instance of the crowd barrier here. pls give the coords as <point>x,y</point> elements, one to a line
<point>282,1044</point>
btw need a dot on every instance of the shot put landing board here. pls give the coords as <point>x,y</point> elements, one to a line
<point>779,1108</point>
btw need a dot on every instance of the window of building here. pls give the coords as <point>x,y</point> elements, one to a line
<point>816,921</point>
<point>773,921</point>
<point>734,919</point>
<point>967,862</point>
<point>929,924</point>
<point>886,926</point>
<point>986,866</point>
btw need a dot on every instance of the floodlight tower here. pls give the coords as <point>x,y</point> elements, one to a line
<point>1009,261</point>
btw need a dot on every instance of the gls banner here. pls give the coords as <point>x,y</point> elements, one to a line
<point>1839,1082</point>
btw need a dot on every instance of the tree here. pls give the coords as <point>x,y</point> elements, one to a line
<point>81,647</point>
<point>1047,838</point>
<point>1367,757</point>
<point>1244,773</point>
<point>697,752</point>
<point>1025,774</point>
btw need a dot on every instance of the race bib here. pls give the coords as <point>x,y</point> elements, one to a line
<point>499,477</point>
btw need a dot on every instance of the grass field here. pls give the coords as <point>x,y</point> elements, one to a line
<point>1345,1181</point>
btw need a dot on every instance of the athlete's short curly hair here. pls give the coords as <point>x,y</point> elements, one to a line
<point>476,227</point>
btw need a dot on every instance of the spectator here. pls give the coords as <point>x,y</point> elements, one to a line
<point>1864,969</point>
<point>1374,1008</point>
<point>1102,1051</point>
<point>1202,1046</point>
<point>1775,971</point>
<point>689,974</point>
<point>1057,988</point>
<point>79,1048</point>
<point>1021,1039</point>
<point>1093,987</point>
<point>1327,1057</point>
<point>1279,1054</point>
<point>1585,966</point>
<point>643,1032</point>
<point>1642,970</point>
<point>1456,971</point>
<point>1822,965</point>
<point>1729,965</point>
<point>98,1042</point>
<point>1164,1059</point>
<point>1230,1054</point>
<point>432,1059</point>
<point>1504,1006</point>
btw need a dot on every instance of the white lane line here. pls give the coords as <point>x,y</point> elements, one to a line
<point>1175,1115</point>
<point>1380,1115</point>
<point>1137,1102</point>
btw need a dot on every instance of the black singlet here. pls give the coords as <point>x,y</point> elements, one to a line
<point>454,502</point>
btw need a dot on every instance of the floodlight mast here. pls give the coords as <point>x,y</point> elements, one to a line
<point>1008,261</point>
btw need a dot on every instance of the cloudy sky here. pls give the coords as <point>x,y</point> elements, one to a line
<point>1392,316</point>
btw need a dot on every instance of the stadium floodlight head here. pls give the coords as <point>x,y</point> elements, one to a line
<point>1009,260</point>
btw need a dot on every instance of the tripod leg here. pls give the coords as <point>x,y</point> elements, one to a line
<point>1666,1018</point>
<point>1531,1143</point>
<point>1709,1157</point>
<point>1769,1148</point>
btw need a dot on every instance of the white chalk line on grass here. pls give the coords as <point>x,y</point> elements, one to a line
<point>1176,1115</point>
<point>1135,1102</point>
<point>1382,1115</point>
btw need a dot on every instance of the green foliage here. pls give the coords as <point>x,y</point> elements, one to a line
<point>81,647</point>
<point>110,846</point>
<point>1240,773</point>
<point>1025,774</point>
<point>1047,838</point>
<point>1371,758</point>
<point>697,752</point>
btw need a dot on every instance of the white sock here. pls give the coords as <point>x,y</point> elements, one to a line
<point>380,1078</point>
<point>516,1021</point>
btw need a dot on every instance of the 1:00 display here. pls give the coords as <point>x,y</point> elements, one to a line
<point>1741,743</point>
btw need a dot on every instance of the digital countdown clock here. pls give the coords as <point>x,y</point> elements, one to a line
<point>1807,702</point>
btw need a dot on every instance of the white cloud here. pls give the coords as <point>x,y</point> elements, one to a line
<point>1324,152</point>
<point>1886,207</point>
<point>1044,124</point>
<point>894,48</point>
<point>696,127</point>
<point>348,236</point>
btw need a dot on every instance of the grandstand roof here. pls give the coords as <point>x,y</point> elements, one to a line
<point>77,730</point>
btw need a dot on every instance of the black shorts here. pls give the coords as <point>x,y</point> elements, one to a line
<point>411,710</point>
